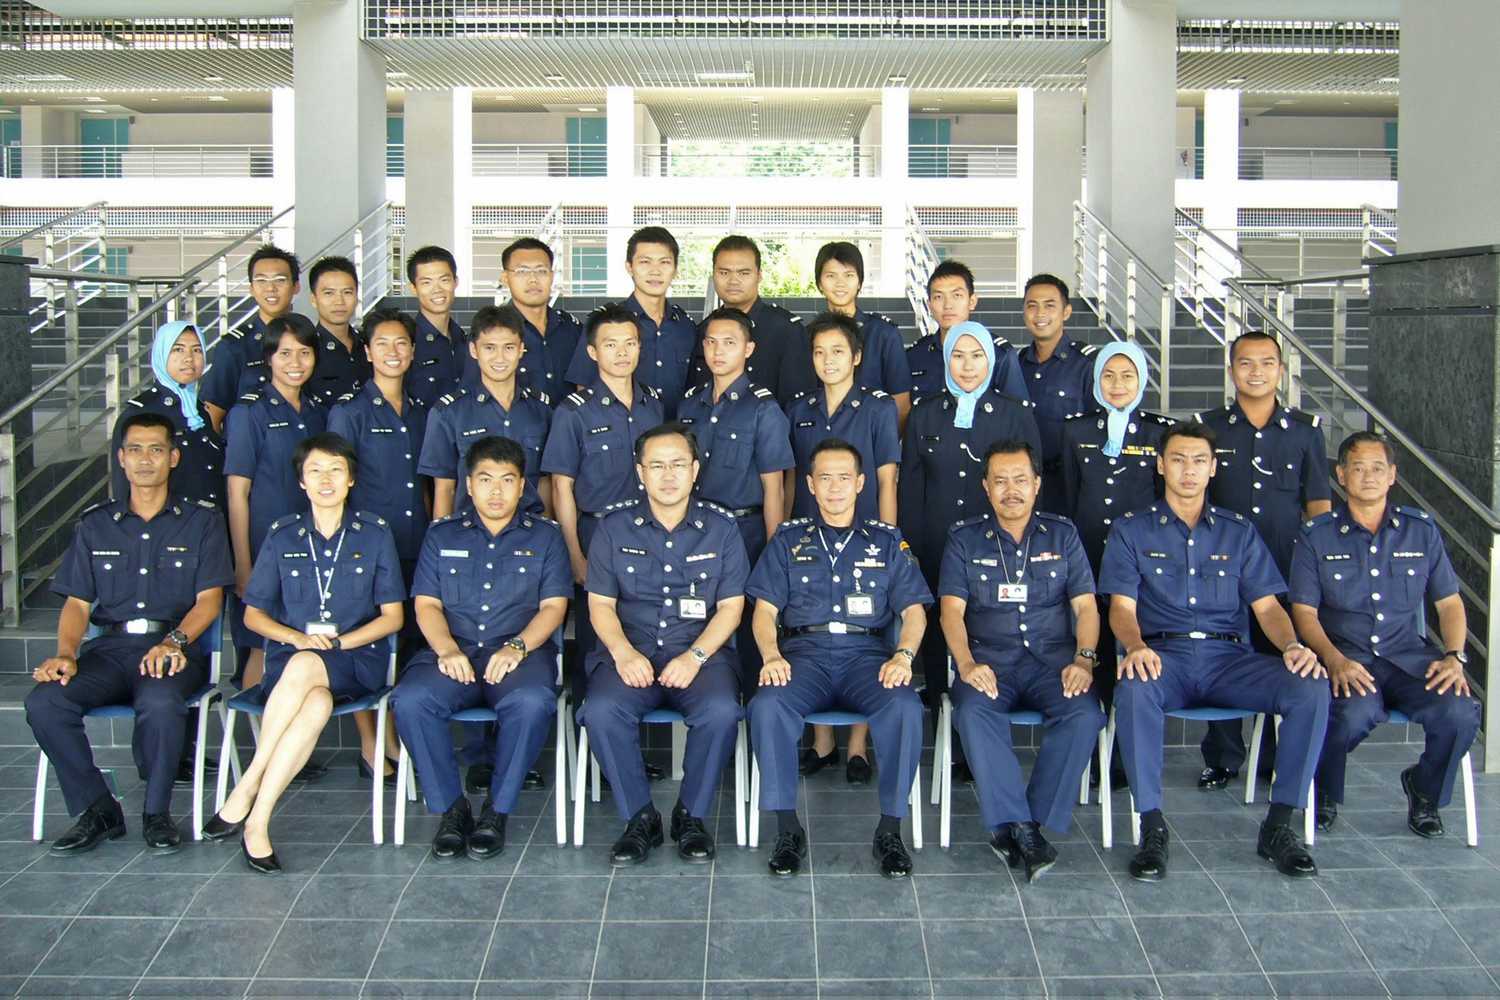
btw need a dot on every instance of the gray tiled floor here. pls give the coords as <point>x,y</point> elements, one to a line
<point>1389,915</point>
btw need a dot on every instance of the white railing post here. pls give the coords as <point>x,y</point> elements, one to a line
<point>359,260</point>
<point>1130,299</point>
<point>1199,285</point>
<point>1234,314</point>
<point>1164,375</point>
<point>132,339</point>
<point>49,260</point>
<point>70,355</point>
<point>1101,273</point>
<point>10,541</point>
<point>1078,237</point>
<point>113,396</point>
<point>223,289</point>
<point>1367,227</point>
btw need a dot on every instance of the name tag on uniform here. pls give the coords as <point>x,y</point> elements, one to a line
<point>632,551</point>
<point>860,604</point>
<point>1011,593</point>
<point>702,556</point>
<point>330,629</point>
<point>695,608</point>
<point>455,553</point>
<point>380,430</point>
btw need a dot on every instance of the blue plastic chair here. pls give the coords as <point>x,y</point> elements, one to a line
<point>208,644</point>
<point>1395,717</point>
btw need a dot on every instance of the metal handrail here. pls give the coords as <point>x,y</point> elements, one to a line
<point>1307,279</point>
<point>1185,220</point>
<point>37,231</point>
<point>96,277</point>
<point>1142,268</point>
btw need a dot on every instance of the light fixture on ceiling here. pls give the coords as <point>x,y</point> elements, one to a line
<point>95,111</point>
<point>932,109</point>
<point>94,100</point>
<point>41,78</point>
<point>396,74</point>
<point>725,76</point>
<point>215,78</point>
<point>505,97</point>
<point>1235,81</point>
<point>1287,100</point>
<point>554,78</point>
<point>587,109</point>
<point>1390,79</point>
<point>896,79</point>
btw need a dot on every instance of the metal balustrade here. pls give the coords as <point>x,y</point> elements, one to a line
<point>1380,231</point>
<point>749,158</point>
<point>921,258</point>
<point>128,161</point>
<point>962,160</point>
<point>1301,163</point>
<point>538,159</point>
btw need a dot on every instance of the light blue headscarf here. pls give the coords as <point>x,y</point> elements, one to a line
<point>1119,419</point>
<point>964,418</point>
<point>161,349</point>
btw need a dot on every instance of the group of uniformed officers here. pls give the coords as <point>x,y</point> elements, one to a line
<point>750,514</point>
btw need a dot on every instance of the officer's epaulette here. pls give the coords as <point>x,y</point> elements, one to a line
<point>622,505</point>
<point>791,315</point>
<point>93,507</point>
<point>710,505</point>
<point>1159,418</point>
<point>965,522</point>
<point>1232,515</point>
<point>761,392</point>
<point>999,342</point>
<point>879,394</point>
<point>282,522</point>
<point>1081,414</point>
<point>678,312</point>
<point>882,317</point>
<point>541,519</point>
<point>536,394</point>
<point>369,518</point>
<point>577,399</point>
<point>449,398</point>
<point>801,394</point>
<point>1414,512</point>
<point>875,523</point>
<point>455,516</point>
<point>250,397</point>
<point>796,522</point>
<point>346,398</point>
<point>202,503</point>
<point>652,391</point>
<point>237,333</point>
<point>137,402</point>
<point>1302,416</point>
<point>565,315</point>
<point>1088,350</point>
<point>1324,518</point>
<point>1058,518</point>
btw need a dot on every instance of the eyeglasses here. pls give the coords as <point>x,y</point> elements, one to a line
<point>530,272</point>
<point>657,468</point>
<point>270,281</point>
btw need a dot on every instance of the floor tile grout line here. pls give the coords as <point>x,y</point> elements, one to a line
<point>495,924</point>
<point>375,955</point>
<point>1245,934</point>
<point>178,923</point>
<point>1036,954</point>
<point>603,916</point>
<point>1464,941</point>
<point>812,885</point>
<point>71,921</point>
<point>1130,916</point>
<point>1345,924</point>
<point>922,930</point>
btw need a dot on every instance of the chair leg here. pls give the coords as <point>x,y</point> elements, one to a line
<point>679,748</point>
<point>39,802</point>
<point>739,784</point>
<point>1252,763</point>
<point>377,779</point>
<point>200,754</point>
<point>940,751</point>
<point>580,776</point>
<point>595,772</point>
<point>234,759</point>
<point>255,727</point>
<point>942,781</point>
<point>226,752</point>
<point>1135,822</point>
<point>572,743</point>
<point>1106,806</point>
<point>754,803</point>
<point>560,771</point>
<point>1471,820</point>
<point>403,771</point>
<point>1309,826</point>
<point>916,809</point>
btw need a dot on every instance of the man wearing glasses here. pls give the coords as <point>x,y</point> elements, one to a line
<point>551,335</point>
<point>236,367</point>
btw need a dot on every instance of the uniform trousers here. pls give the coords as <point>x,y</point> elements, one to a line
<point>1223,743</point>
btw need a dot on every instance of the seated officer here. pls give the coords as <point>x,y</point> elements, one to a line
<point>149,571</point>
<point>666,589</point>
<point>835,609</point>
<point>1360,577</point>
<point>492,586</point>
<point>1008,582</point>
<point>1180,574</point>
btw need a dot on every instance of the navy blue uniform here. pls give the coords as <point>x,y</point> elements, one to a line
<point>1026,642</point>
<point>237,366</point>
<point>150,572</point>
<point>929,375</point>
<point>657,578</point>
<point>360,572</point>
<point>341,370</point>
<point>438,363</point>
<point>491,587</point>
<point>866,419</point>
<point>386,444</point>
<point>666,355</point>
<point>467,414</point>
<point>779,339</point>
<point>1059,387</point>
<point>1370,592</point>
<point>261,433</point>
<point>882,362</point>
<point>1201,580</point>
<point>200,470</point>
<point>851,585</point>
<point>544,366</point>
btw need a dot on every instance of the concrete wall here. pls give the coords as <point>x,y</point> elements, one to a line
<point>517,127</point>
<point>1317,132</point>
<point>982,130</point>
<point>201,129</point>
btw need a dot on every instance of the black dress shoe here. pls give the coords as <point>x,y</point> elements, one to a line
<point>1003,847</point>
<point>811,762</point>
<point>1279,844</point>
<point>857,771</point>
<point>961,772</point>
<point>1031,849</point>
<point>1212,778</point>
<point>310,772</point>
<point>160,833</point>
<point>368,773</point>
<point>787,854</point>
<point>1421,812</point>
<point>642,833</point>
<point>184,775</point>
<point>654,773</point>
<point>217,829</point>
<point>452,837</point>
<point>104,820</point>
<point>695,844</point>
<point>477,779</point>
<point>487,839</point>
<point>1150,861</point>
<point>1327,812</point>
<point>890,852</point>
<point>533,781</point>
<point>267,865</point>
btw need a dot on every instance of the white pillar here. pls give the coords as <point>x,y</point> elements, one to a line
<point>439,190</point>
<point>47,127</point>
<point>895,119</point>
<point>1449,125</point>
<point>283,147</point>
<point>1221,163</point>
<point>1132,100</point>
<point>619,109</point>
<point>1049,167</point>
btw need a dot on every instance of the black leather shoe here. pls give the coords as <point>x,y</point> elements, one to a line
<point>1003,847</point>
<point>654,773</point>
<point>533,781</point>
<point>161,834</point>
<point>1031,849</point>
<point>641,834</point>
<point>1150,861</point>
<point>217,829</point>
<point>1421,812</point>
<point>811,762</point>
<point>310,772</point>
<point>1327,812</point>
<point>695,844</point>
<point>891,853</point>
<point>184,775</point>
<point>452,837</point>
<point>961,772</point>
<point>1212,778</point>
<point>477,779</point>
<point>487,839</point>
<point>267,865</point>
<point>787,854</point>
<point>857,771</point>
<point>104,820</point>
<point>367,772</point>
<point>1279,844</point>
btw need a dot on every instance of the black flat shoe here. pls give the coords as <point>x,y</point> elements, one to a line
<point>217,829</point>
<point>787,854</point>
<point>368,773</point>
<point>268,865</point>
<point>1030,848</point>
<point>104,820</point>
<point>310,772</point>
<point>1002,847</point>
<point>811,762</point>
<point>890,852</point>
<point>1422,816</point>
<point>695,844</point>
<point>1150,862</point>
<point>1213,778</point>
<point>452,837</point>
<point>161,833</point>
<point>477,779</point>
<point>642,833</point>
<point>857,771</point>
<point>1279,844</point>
<point>487,839</point>
<point>1327,812</point>
<point>533,781</point>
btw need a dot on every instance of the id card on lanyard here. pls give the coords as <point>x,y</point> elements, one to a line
<point>1008,592</point>
<point>323,583</point>
<point>857,603</point>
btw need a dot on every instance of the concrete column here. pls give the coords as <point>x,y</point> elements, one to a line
<point>284,146</point>
<point>1221,163</point>
<point>1132,99</point>
<point>46,127</point>
<point>620,160</point>
<point>895,118</point>
<point>439,175</point>
<point>1049,166</point>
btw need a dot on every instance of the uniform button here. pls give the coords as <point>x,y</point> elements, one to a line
<point>1380,616</point>
<point>1192,600</point>
<point>1192,572</point>
<point>109,566</point>
<point>1374,638</point>
<point>1411,572</point>
<point>983,578</point>
<point>1374,549</point>
<point>408,513</point>
<point>481,628</point>
<point>1023,627</point>
<point>1374,597</point>
<point>835,579</point>
<point>605,448</point>
<point>487,587</point>
<point>146,534</point>
<point>522,569</point>
<point>1257,485</point>
<point>484,607</point>
<point>1374,572</point>
<point>804,579</point>
<point>140,604</point>
<point>144,571</point>
<point>666,569</point>
<point>658,364</point>
<point>178,564</point>
<point>409,485</point>
<point>666,590</point>
<point>669,545</point>
<point>1106,520</point>
<point>962,473</point>
<point>836,609</point>
<point>1108,501</point>
<point>1158,571</point>
<point>1190,543</point>
<point>1255,510</point>
<point>1022,609</point>
<point>630,569</point>
<point>489,565</point>
<point>1026,643</point>
<point>960,503</point>
<point>668,602</point>
<point>1338,576</point>
<point>408,456</point>
<point>1258,435</point>
<point>1110,481</point>
<point>661,624</point>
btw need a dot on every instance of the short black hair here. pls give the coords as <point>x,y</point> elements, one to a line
<point>1012,446</point>
<point>951,269</point>
<point>270,251</point>
<point>524,243</point>
<point>328,443</point>
<point>149,420</point>
<point>664,430</point>
<point>386,314</point>
<point>1253,336</point>
<point>732,315</point>
<point>296,325</point>
<point>733,242</point>
<point>823,322</point>
<point>506,317</point>
<point>835,444</point>
<point>493,448</point>
<point>651,234</point>
<point>326,265</point>
<point>845,253</point>
<point>1187,429</point>
<point>1046,279</point>
<point>1366,437</point>
<point>610,312</point>
<point>429,255</point>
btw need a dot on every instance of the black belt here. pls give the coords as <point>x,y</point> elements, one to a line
<point>828,628</point>
<point>1221,636</point>
<point>139,626</point>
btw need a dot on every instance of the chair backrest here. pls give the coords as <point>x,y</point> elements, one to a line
<point>211,645</point>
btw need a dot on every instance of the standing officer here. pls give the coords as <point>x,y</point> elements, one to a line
<point>951,300</point>
<point>149,571</point>
<point>1180,574</point>
<point>343,365</point>
<point>441,359</point>
<point>237,367</point>
<point>666,590</point>
<point>1360,578</point>
<point>833,650</point>
<point>549,335</point>
<point>1012,579</point>
<point>492,588</point>
<point>1273,470</point>
<point>778,333</point>
<point>1059,376</point>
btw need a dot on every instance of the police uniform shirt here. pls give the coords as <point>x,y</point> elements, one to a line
<point>778,332</point>
<point>593,443</point>
<point>1188,581</point>
<point>866,419</point>
<point>386,444</point>
<point>929,369</point>
<point>806,574</point>
<point>260,435</point>
<point>237,366</point>
<point>740,438</point>
<point>1017,594</point>
<point>882,362</point>
<point>1097,488</point>
<point>129,568</point>
<point>1269,474</point>
<point>666,355</point>
<point>341,370</point>
<point>358,566</point>
<point>438,363</point>
<point>492,585</point>
<point>200,469</point>
<point>658,576</point>
<point>544,366</point>
<point>1370,590</point>
<point>1059,387</point>
<point>467,414</point>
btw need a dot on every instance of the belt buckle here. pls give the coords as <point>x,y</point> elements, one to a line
<point>137,626</point>
<point>1197,635</point>
<point>838,628</point>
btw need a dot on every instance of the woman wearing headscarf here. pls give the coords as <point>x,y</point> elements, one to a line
<point>177,362</point>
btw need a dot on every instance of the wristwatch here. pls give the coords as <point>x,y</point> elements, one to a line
<point>517,643</point>
<point>910,654</point>
<point>1458,655</point>
<point>1087,654</point>
<point>178,638</point>
<point>698,654</point>
<point>336,643</point>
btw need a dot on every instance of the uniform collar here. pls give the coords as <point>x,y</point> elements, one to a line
<point>322,332</point>
<point>852,398</point>
<point>1347,523</point>
<point>645,515</point>
<point>819,523</point>
<point>455,332</point>
<point>518,521</point>
<point>738,388</point>
<point>604,395</point>
<point>635,306</point>
<point>275,398</point>
<point>991,524</point>
<point>483,395</point>
<point>120,509</point>
<point>371,392</point>
<point>1065,349</point>
<point>1278,415</point>
<point>1162,513</point>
